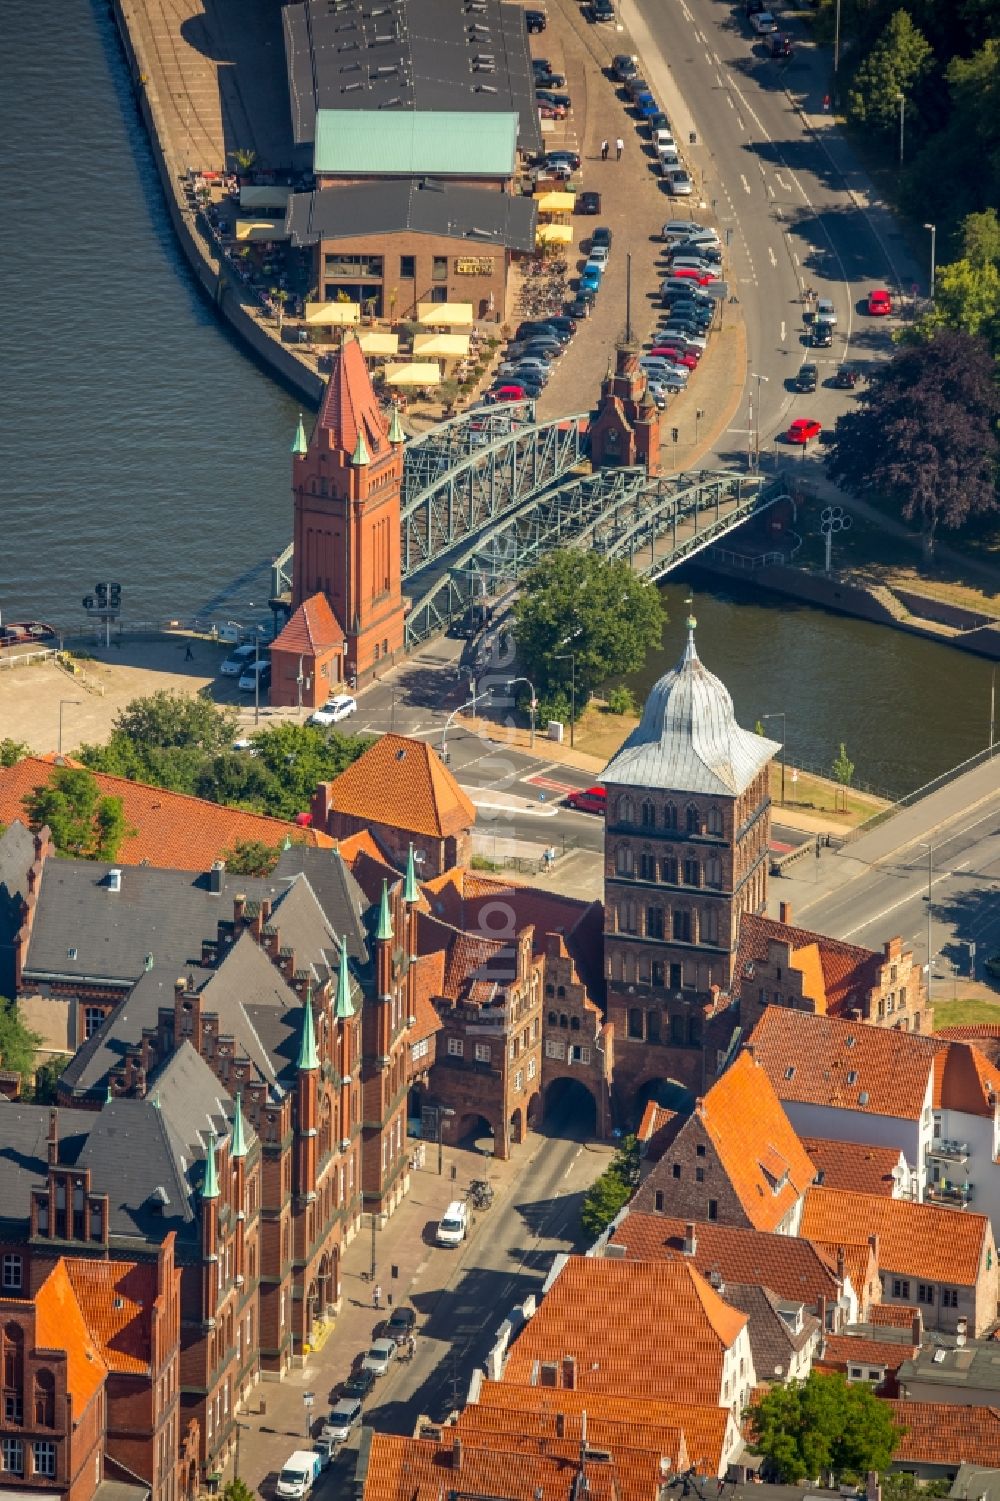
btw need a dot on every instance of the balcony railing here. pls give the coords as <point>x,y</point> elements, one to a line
<point>950,1151</point>
<point>959,1194</point>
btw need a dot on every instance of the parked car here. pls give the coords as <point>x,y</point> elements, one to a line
<point>380,1356</point>
<point>298,1475</point>
<point>544,328</point>
<point>340,706</point>
<point>658,125</point>
<point>590,280</point>
<point>507,391</point>
<point>779,45</point>
<point>551,111</point>
<point>636,86</point>
<point>535,20</point>
<point>256,677</point>
<point>342,1419</point>
<point>683,335</point>
<point>564,327</point>
<point>588,203</point>
<point>237,662</point>
<point>879,303</point>
<point>847,377</point>
<point>602,235</point>
<point>401,1323</point>
<point>358,1384</point>
<point>546,79</point>
<point>549,96</point>
<point>679,184</point>
<point>589,800</point>
<point>807,377</point>
<point>822,334</point>
<point>803,430</point>
<point>453,1225</point>
<point>681,229</point>
<point>598,255</point>
<point>763,23</point>
<point>695,274</point>
<point>674,356</point>
<point>602,11</point>
<point>556,158</point>
<point>579,307</point>
<point>624,67</point>
<point>325,1448</point>
<point>646,106</point>
<point>702,250</point>
<point>667,159</point>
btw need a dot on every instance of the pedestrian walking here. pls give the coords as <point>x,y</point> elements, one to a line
<point>188,653</point>
<point>605,148</point>
<point>826,104</point>
<point>388,1301</point>
<point>377,1295</point>
<point>619,148</point>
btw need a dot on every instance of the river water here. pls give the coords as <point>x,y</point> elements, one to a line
<point>140,443</point>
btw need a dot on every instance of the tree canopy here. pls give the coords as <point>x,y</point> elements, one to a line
<point>17,1042</point>
<point>895,64</point>
<point>609,1193</point>
<point>187,745</point>
<point>83,823</point>
<point>809,1428</point>
<point>12,751</point>
<point>601,612</point>
<point>923,434</point>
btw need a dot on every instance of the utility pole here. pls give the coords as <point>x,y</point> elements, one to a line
<point>930,892</point>
<point>933,230</point>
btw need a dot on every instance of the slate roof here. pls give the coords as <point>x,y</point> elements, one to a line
<point>17,855</point>
<point>688,739</point>
<point>793,1268</point>
<point>312,629</point>
<point>172,830</point>
<point>166,913</point>
<point>821,1060</point>
<point>408,55</point>
<point>483,218</point>
<point>915,1240</point>
<point>24,1133</point>
<point>773,1343</point>
<point>116,1299</point>
<point>857,1165</point>
<point>573,1320</point>
<point>338,893</point>
<point>837,975</point>
<point>403,783</point>
<point>946,1434</point>
<point>60,1325</point>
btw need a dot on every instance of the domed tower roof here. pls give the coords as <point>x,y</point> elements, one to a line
<point>688,739</point>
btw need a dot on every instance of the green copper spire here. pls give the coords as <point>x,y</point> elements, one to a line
<point>239,1146</point>
<point>360,455</point>
<point>299,444</point>
<point>345,1006</point>
<point>110,1097</point>
<point>411,892</point>
<point>396,433</point>
<point>210,1183</point>
<point>384,920</point>
<point>308,1056</point>
<point>288,842</point>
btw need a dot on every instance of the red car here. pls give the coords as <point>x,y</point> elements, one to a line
<point>676,356</point>
<point>803,429</point>
<point>879,303</point>
<point>506,393</point>
<point>593,800</point>
<point>690,274</point>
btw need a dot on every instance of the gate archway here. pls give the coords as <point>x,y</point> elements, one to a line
<point>570,1108</point>
<point>671,1094</point>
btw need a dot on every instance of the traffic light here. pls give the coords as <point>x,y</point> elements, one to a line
<point>115,596</point>
<point>88,602</point>
<point>675,433</point>
<point>101,590</point>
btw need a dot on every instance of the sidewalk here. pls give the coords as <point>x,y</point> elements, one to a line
<point>405,1244</point>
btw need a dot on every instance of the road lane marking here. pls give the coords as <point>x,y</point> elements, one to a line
<point>746,185</point>
<point>718,79</point>
<point>782,333</point>
<point>782,183</point>
<point>730,102</point>
<point>918,891</point>
<point>708,57</point>
<point>773,257</point>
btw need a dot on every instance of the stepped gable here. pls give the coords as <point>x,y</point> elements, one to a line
<point>834,973</point>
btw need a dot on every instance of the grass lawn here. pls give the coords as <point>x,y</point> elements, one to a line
<point>961,1013</point>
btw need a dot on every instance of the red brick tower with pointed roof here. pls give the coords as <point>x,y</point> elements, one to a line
<point>346,486</point>
<point>626,429</point>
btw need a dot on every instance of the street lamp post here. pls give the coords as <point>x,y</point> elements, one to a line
<point>933,230</point>
<point>836,41</point>
<point>443,1114</point>
<point>469,704</point>
<point>930,892</point>
<point>308,1398</point>
<point>62,704</point>
<point>902,116</point>
<point>780,714</point>
<point>534,702</point>
<point>756,416</point>
<point>570,657</point>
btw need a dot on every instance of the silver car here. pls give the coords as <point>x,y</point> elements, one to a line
<point>238,661</point>
<point>380,1357</point>
<point>826,311</point>
<point>679,184</point>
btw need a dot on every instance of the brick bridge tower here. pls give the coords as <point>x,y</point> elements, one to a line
<point>346,485</point>
<point>626,429</point>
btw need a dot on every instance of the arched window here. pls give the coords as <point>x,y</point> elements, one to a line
<point>691,820</point>
<point>623,860</point>
<point>670,817</point>
<point>648,815</point>
<point>563,1020</point>
<point>45,1399</point>
<point>574,1024</point>
<point>714,821</point>
<point>553,1019</point>
<point>626,811</point>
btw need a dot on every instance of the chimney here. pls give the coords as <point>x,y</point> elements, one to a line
<point>873,1242</point>
<point>569,1373</point>
<point>917,1328</point>
<point>239,907</point>
<point>52,1146</point>
<point>785,913</point>
<point>456,1454</point>
<point>690,1239</point>
<point>822,1312</point>
<point>114,880</point>
<point>180,988</point>
<point>841,1263</point>
<point>560,1425</point>
<point>216,877</point>
<point>961,1332</point>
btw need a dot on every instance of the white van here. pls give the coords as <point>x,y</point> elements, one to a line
<point>454,1224</point>
<point>298,1475</point>
<point>256,673</point>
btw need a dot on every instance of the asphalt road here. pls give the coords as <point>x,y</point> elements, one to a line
<point>783,200</point>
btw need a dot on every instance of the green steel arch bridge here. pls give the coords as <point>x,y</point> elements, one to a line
<point>485,494</point>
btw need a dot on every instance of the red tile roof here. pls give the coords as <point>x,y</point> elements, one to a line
<point>60,1325</point>
<point>791,1267</point>
<point>986,1036</point>
<point>408,1469</point>
<point>116,1299</point>
<point>350,406</point>
<point>429,970</point>
<point>945,1433</point>
<point>312,630</point>
<point>404,784</point>
<point>841,1350</point>
<point>850,1065</point>
<point>965,1080</point>
<point>915,1240</point>
<point>851,1164</point>
<point>846,972</point>
<point>892,1315</point>
<point>757,1148</point>
<point>657,1129</point>
<point>601,1313</point>
<point>172,831</point>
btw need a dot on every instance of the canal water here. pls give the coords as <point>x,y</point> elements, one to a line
<point>139,443</point>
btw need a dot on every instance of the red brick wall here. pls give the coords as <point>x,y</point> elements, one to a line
<point>391,247</point>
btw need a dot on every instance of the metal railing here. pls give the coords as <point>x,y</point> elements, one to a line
<point>919,793</point>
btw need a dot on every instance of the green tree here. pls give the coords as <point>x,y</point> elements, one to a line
<point>237,1490</point>
<point>82,822</point>
<point>252,857</point>
<point>12,751</point>
<point>164,739</point>
<point>46,1079</point>
<point>843,769</point>
<point>621,700</point>
<point>966,298</point>
<point>298,756</point>
<point>981,238</point>
<point>609,1194</point>
<point>923,433</point>
<point>897,62</point>
<point>17,1042</point>
<point>806,1429</point>
<point>601,611</point>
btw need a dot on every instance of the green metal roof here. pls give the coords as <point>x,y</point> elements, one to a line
<point>308,1056</point>
<point>415,143</point>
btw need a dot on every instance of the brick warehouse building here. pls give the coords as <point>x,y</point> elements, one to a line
<point>685,855</point>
